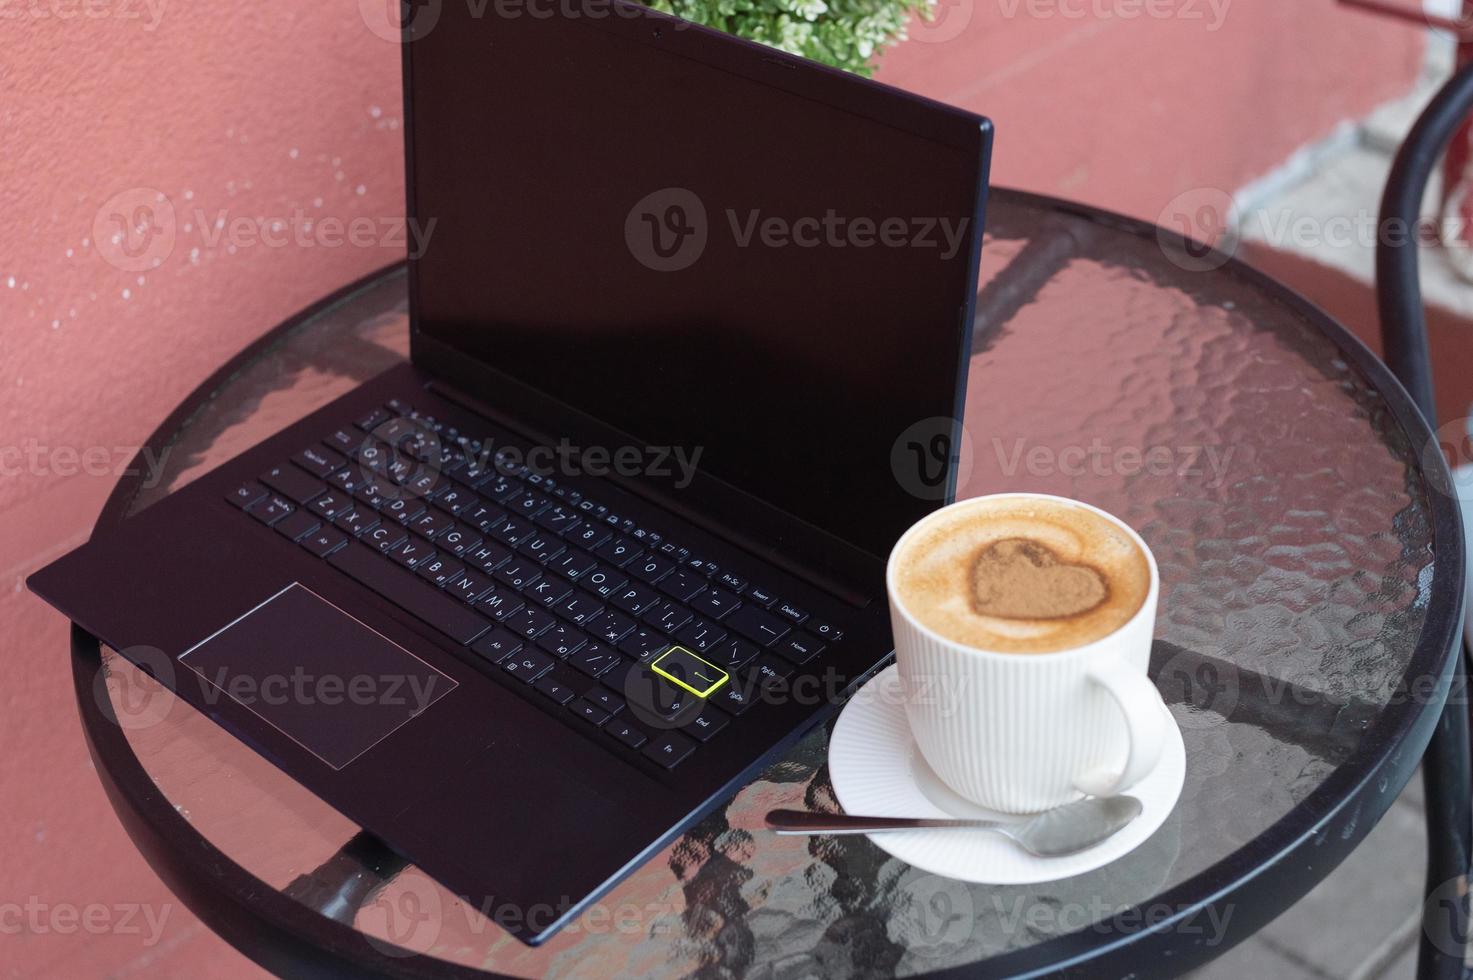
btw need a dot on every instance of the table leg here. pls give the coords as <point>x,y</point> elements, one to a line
<point>1449,790</point>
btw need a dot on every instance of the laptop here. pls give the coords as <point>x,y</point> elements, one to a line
<point>687,314</point>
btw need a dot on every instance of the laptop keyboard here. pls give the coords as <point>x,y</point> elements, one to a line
<point>620,627</point>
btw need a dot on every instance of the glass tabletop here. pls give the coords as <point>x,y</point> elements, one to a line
<point>1286,506</point>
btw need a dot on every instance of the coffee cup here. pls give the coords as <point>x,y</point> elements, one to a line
<point>1023,626</point>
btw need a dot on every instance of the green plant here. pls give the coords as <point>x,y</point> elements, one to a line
<point>842,33</point>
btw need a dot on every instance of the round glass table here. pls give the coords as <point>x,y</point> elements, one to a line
<point>1311,566</point>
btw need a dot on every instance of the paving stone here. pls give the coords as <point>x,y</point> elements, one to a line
<point>1253,958</point>
<point>1348,918</point>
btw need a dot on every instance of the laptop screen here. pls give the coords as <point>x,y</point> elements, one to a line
<point>766,283</point>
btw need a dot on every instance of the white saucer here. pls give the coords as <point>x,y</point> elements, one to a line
<point>877,769</point>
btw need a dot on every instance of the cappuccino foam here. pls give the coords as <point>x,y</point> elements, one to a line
<point>1021,575</point>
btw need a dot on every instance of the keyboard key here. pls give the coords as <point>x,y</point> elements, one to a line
<point>589,535</point>
<point>759,595</point>
<point>715,603</point>
<point>500,603</point>
<point>518,573</point>
<point>329,505</point>
<point>497,645</point>
<point>626,733</point>
<point>482,516</point>
<point>344,441</point>
<point>706,724</point>
<point>452,498</point>
<point>760,627</point>
<point>790,612</point>
<point>683,668</point>
<point>733,582</point>
<point>459,540</point>
<point>513,531</point>
<point>667,616</point>
<point>668,749</point>
<point>700,636</point>
<point>551,686</point>
<point>270,509</point>
<point>682,586</point>
<point>768,670</point>
<point>320,461</point>
<point>618,552</point>
<point>356,522</point>
<point>542,547</point>
<point>246,494</point>
<point>548,591</point>
<point>530,623</point>
<point>440,570</point>
<point>612,626</point>
<point>500,487</point>
<point>558,520</point>
<point>579,608</point>
<point>469,587</point>
<point>732,654</point>
<point>656,701</point>
<point>607,699</point>
<point>402,509</point>
<point>528,663</point>
<point>650,568</point>
<point>294,484</point>
<point>373,419</point>
<point>528,505</point>
<point>431,524</point>
<point>574,564</point>
<point>488,556</point>
<point>634,598</point>
<point>735,698</point>
<point>415,597</point>
<point>588,711</point>
<point>825,631</point>
<point>645,645</point>
<point>385,537</point>
<point>594,659</point>
<point>602,581</point>
<point>561,640</point>
<point>799,648</point>
<point>324,541</point>
<point>410,552</point>
<point>373,493</point>
<point>349,479</point>
<point>296,526</point>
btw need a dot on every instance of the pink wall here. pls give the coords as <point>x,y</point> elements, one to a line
<point>288,112</point>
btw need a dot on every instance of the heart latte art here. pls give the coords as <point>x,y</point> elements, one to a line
<point>1021,575</point>
<point>1018,578</point>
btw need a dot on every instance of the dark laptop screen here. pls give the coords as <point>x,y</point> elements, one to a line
<point>694,255</point>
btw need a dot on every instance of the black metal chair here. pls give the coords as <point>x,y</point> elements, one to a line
<point>1446,768</point>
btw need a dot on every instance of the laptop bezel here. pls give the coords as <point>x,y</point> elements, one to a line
<point>839,566</point>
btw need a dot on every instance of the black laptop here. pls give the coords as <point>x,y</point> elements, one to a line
<point>690,326</point>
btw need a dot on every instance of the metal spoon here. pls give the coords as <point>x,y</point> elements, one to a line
<point>1063,830</point>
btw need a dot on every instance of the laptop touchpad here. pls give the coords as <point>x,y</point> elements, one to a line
<point>327,681</point>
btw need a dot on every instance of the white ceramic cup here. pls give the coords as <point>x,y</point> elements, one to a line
<point>1023,732</point>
